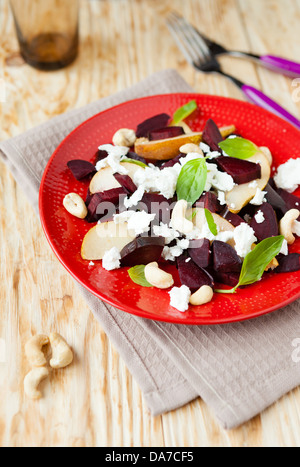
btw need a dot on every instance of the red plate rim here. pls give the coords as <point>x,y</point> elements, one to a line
<point>183,318</point>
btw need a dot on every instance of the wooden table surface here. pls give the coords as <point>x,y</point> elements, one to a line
<point>95,401</point>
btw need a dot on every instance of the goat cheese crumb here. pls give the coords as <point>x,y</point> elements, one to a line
<point>204,147</point>
<point>221,197</point>
<point>160,181</point>
<point>284,249</point>
<point>135,198</point>
<point>259,197</point>
<point>138,221</point>
<point>115,154</point>
<point>244,238</point>
<point>162,230</point>
<point>220,180</point>
<point>287,176</point>
<point>259,217</point>
<point>179,298</point>
<point>111,259</point>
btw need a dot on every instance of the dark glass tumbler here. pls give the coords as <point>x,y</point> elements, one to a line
<point>47,31</point>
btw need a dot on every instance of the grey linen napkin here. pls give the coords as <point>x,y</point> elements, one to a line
<point>238,369</point>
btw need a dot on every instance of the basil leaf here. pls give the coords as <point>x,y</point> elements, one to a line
<point>134,161</point>
<point>210,221</point>
<point>184,111</point>
<point>192,180</point>
<point>256,261</point>
<point>137,275</point>
<point>239,148</point>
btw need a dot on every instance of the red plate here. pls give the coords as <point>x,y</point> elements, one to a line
<point>65,232</point>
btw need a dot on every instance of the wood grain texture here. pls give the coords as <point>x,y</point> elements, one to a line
<point>95,401</point>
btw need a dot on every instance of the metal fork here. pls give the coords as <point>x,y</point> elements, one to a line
<point>198,54</point>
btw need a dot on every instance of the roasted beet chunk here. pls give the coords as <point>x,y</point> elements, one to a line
<point>191,275</point>
<point>126,182</point>
<point>209,201</point>
<point>101,154</point>
<point>152,124</point>
<point>227,278</point>
<point>289,263</point>
<point>110,198</point>
<point>154,203</point>
<point>200,253</point>
<point>276,201</point>
<point>264,222</point>
<point>234,219</point>
<point>81,169</point>
<point>165,133</point>
<point>225,258</point>
<point>172,162</point>
<point>291,201</point>
<point>241,171</point>
<point>142,250</point>
<point>212,135</point>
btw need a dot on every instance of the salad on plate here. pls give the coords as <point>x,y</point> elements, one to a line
<point>208,203</point>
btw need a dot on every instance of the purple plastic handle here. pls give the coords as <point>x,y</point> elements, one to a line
<point>259,98</point>
<point>278,64</point>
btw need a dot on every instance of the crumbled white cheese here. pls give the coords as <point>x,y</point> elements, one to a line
<point>173,252</point>
<point>259,217</point>
<point>287,176</point>
<point>179,298</point>
<point>138,221</point>
<point>220,180</point>
<point>91,263</point>
<point>213,154</point>
<point>158,181</point>
<point>244,238</point>
<point>163,230</point>
<point>259,197</point>
<point>111,259</point>
<point>135,198</point>
<point>221,197</point>
<point>284,249</point>
<point>204,147</point>
<point>115,154</point>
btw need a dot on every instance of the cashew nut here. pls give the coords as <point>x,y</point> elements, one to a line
<point>157,277</point>
<point>33,350</point>
<point>124,137</point>
<point>62,355</point>
<point>178,219</point>
<point>287,225</point>
<point>75,205</point>
<point>202,295</point>
<point>190,147</point>
<point>32,381</point>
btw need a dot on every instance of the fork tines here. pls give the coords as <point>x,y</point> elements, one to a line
<point>188,39</point>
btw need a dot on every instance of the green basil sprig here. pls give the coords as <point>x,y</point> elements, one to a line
<point>183,112</point>
<point>256,262</point>
<point>134,161</point>
<point>210,221</point>
<point>137,275</point>
<point>239,148</point>
<point>192,180</point>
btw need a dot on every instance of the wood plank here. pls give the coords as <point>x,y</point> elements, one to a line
<point>96,402</point>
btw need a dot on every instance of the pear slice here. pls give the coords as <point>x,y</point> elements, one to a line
<point>164,149</point>
<point>102,237</point>
<point>104,179</point>
<point>240,195</point>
